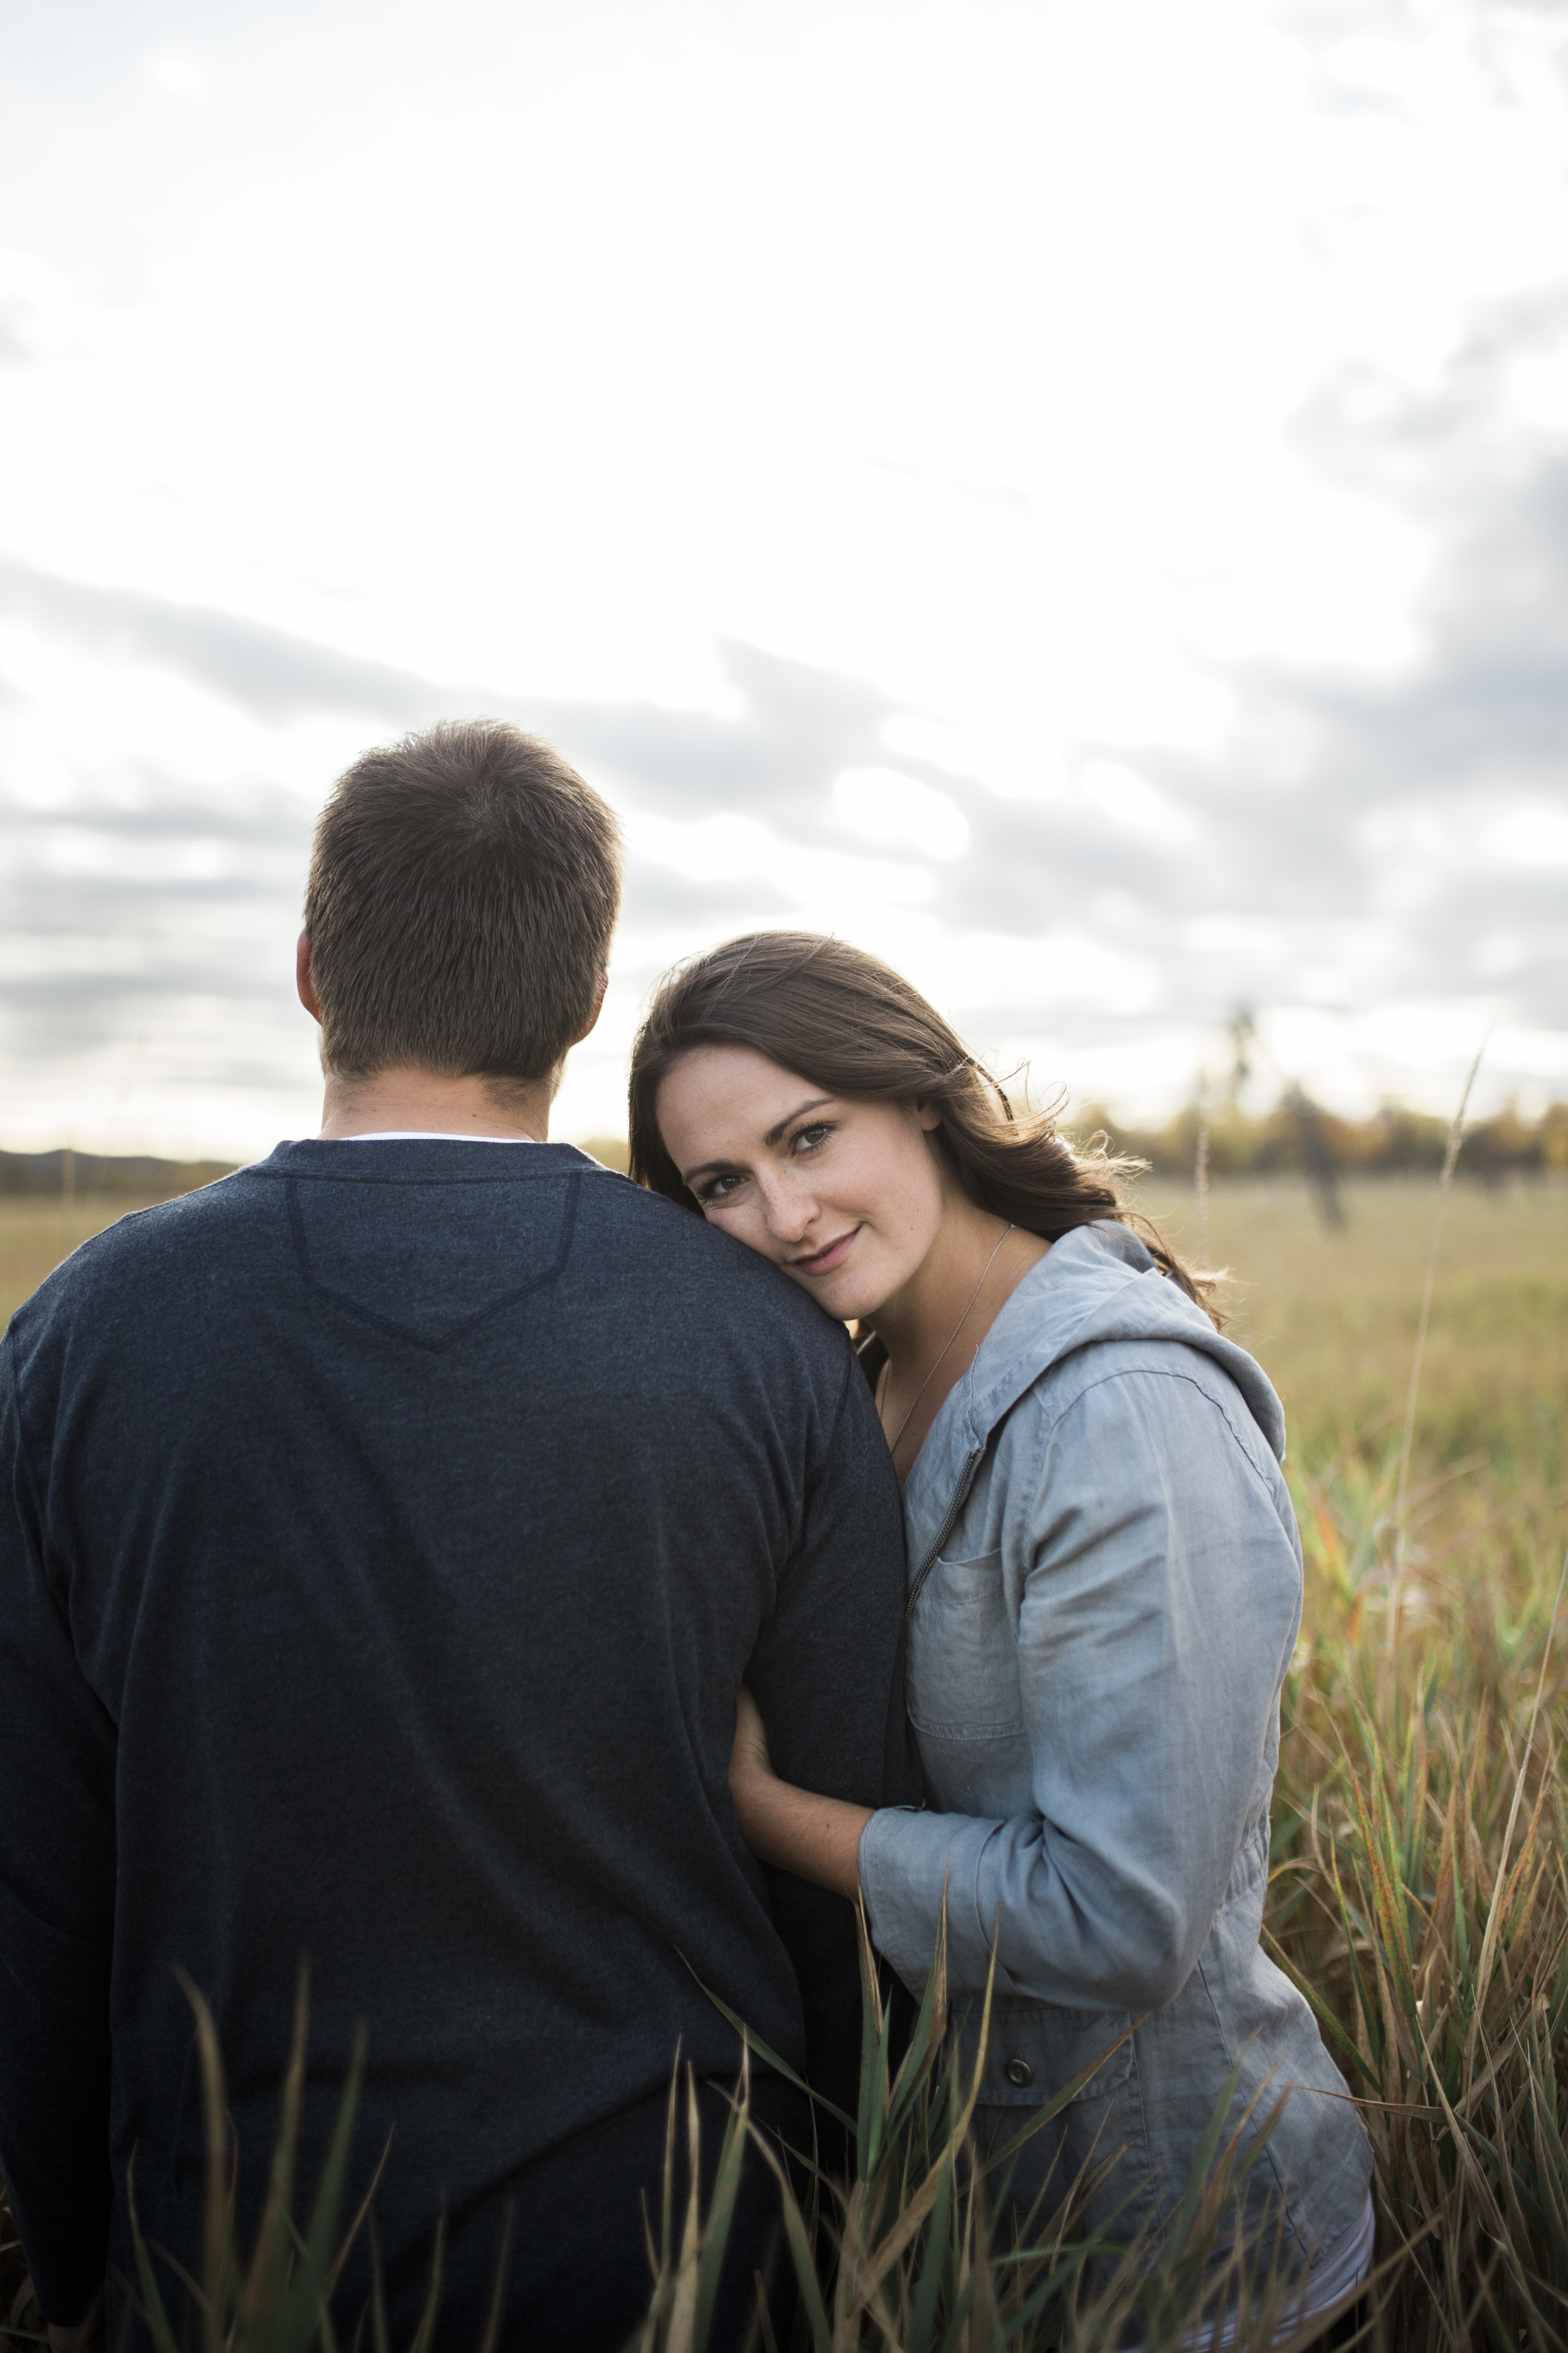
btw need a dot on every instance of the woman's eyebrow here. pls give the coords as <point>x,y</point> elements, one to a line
<point>812,1103</point>
<point>722,1167</point>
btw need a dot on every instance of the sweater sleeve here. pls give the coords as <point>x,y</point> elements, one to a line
<point>828,1676</point>
<point>56,1903</point>
<point>1158,1610</point>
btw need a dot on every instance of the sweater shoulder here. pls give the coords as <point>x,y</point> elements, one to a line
<point>663,1263</point>
<point>724,1280</point>
<point>151,1261</point>
<point>127,1247</point>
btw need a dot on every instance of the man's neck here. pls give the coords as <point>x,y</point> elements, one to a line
<point>410,1100</point>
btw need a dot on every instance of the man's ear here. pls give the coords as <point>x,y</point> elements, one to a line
<point>303,982</point>
<point>591,1022</point>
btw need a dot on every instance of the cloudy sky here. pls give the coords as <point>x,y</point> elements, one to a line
<point>1072,494</point>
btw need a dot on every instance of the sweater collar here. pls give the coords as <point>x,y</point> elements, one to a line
<point>386,1160</point>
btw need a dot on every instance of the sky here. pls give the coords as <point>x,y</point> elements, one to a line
<point>1069,494</point>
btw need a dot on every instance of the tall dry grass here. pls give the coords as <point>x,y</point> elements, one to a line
<point>1419,1892</point>
<point>1419,1895</point>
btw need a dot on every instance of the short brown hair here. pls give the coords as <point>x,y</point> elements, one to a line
<point>464,888</point>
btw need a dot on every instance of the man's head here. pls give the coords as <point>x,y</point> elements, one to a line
<point>464,888</point>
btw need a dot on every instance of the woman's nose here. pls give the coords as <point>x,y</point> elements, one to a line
<point>790,1209</point>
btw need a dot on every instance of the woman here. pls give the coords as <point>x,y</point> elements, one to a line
<point>1105,1588</point>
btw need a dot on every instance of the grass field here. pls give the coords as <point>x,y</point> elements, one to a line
<point>1332,1315</point>
<point>1419,1891</point>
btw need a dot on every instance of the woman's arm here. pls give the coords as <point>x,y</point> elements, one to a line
<point>1160,1599</point>
<point>816,1838</point>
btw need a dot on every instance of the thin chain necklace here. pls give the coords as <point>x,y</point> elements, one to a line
<point>893,1441</point>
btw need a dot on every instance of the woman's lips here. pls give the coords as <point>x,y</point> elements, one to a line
<point>827,1260</point>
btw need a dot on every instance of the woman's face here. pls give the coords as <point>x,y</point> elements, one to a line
<point>844,1193</point>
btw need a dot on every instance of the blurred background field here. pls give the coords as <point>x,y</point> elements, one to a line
<point>1331,1313</point>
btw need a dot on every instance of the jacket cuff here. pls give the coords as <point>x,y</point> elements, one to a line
<point>909,1861</point>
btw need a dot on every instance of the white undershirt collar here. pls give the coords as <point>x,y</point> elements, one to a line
<point>428,1136</point>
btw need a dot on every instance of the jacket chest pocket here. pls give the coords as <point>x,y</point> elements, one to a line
<point>963,1653</point>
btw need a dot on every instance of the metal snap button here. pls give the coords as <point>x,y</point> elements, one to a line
<point>1019,2072</point>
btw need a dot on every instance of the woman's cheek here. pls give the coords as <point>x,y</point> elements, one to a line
<point>750,1225</point>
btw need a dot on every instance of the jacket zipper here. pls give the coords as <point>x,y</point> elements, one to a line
<point>961,1496</point>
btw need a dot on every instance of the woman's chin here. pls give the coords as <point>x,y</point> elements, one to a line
<point>848,1302</point>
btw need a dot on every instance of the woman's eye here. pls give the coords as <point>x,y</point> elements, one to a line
<point>716,1190</point>
<point>811,1139</point>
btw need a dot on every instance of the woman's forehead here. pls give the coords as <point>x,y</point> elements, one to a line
<point>734,1086</point>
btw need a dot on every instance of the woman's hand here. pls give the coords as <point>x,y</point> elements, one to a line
<point>816,1838</point>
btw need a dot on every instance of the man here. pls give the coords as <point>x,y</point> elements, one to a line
<point>384,1533</point>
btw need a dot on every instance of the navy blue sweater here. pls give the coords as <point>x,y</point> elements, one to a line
<point>383,1534</point>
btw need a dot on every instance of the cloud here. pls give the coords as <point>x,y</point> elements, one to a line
<point>270,672</point>
<point>114,916</point>
<point>798,727</point>
<point>177,75</point>
<point>795,729</point>
<point>17,346</point>
<point>1354,842</point>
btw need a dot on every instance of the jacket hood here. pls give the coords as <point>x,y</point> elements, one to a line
<point>1097,1283</point>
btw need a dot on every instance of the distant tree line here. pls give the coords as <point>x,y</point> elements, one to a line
<point>1299,1138</point>
<point>102,1176</point>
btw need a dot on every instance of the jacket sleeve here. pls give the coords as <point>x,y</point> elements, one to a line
<point>829,1675</point>
<point>57,1905</point>
<point>1160,1599</point>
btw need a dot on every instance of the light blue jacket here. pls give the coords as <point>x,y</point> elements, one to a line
<point>1105,1592</point>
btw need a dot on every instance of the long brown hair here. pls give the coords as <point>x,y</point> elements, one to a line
<point>846,1022</point>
